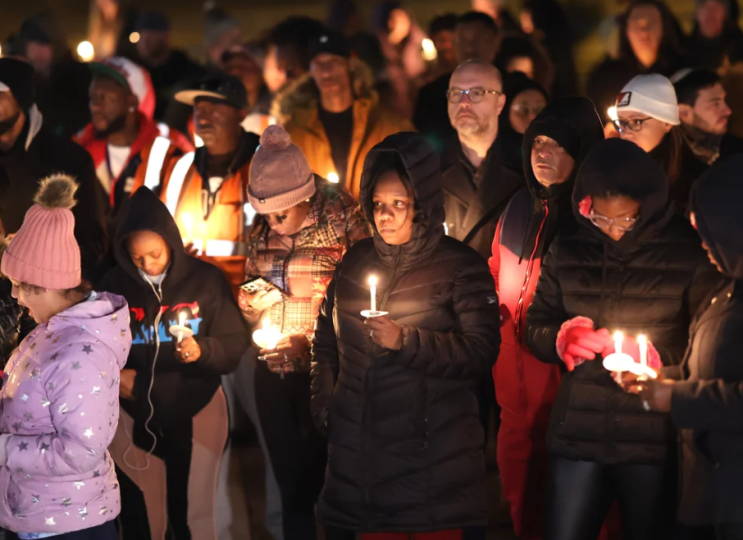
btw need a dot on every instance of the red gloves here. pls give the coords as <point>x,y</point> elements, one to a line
<point>577,341</point>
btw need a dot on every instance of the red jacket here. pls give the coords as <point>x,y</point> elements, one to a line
<point>523,385</point>
<point>139,155</point>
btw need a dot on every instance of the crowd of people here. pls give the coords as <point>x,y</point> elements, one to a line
<point>370,249</point>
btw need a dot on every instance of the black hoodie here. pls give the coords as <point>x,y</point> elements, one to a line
<point>649,282</point>
<point>707,405</point>
<point>398,419</point>
<point>190,286</point>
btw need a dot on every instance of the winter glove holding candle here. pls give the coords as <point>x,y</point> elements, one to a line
<point>577,341</point>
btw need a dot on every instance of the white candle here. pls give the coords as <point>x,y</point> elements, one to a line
<point>643,342</point>
<point>273,339</point>
<point>181,323</point>
<point>373,289</point>
<point>618,338</point>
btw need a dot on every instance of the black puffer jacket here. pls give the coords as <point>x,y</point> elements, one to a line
<point>708,405</point>
<point>650,282</point>
<point>405,441</point>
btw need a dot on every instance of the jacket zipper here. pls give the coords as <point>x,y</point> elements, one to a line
<point>369,387</point>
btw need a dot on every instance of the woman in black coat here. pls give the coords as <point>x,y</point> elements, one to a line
<point>706,403</point>
<point>405,444</point>
<point>629,264</point>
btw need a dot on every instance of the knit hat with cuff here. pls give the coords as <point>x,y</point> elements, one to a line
<point>280,176</point>
<point>44,252</point>
<point>653,95</point>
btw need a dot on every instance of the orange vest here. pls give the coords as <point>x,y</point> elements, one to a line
<point>220,237</point>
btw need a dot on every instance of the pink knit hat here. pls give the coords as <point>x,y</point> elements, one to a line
<point>280,176</point>
<point>44,252</point>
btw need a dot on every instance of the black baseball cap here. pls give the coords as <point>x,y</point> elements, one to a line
<point>330,42</point>
<point>225,88</point>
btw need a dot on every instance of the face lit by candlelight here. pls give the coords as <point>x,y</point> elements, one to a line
<point>149,252</point>
<point>394,209</point>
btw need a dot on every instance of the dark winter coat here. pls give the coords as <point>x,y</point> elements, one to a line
<point>191,286</point>
<point>405,444</point>
<point>475,197</point>
<point>524,386</point>
<point>431,114</point>
<point>707,406</point>
<point>37,154</point>
<point>650,281</point>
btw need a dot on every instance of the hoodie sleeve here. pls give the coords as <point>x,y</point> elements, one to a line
<point>227,338</point>
<point>471,352</point>
<point>713,403</point>
<point>82,394</point>
<point>324,367</point>
<point>546,312</point>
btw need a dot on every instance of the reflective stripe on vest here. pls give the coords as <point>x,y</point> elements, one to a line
<point>177,178</point>
<point>155,162</point>
<point>164,129</point>
<point>220,248</point>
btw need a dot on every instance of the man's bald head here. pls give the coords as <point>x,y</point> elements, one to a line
<point>475,113</point>
<point>482,68</point>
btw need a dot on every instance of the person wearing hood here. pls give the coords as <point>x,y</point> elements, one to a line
<point>648,115</point>
<point>525,99</point>
<point>554,145</point>
<point>30,152</point>
<point>123,140</point>
<point>58,401</point>
<point>395,393</point>
<point>629,264</point>
<point>703,394</point>
<point>334,115</point>
<point>174,421</point>
<point>206,190</point>
<point>304,227</point>
<point>476,186</point>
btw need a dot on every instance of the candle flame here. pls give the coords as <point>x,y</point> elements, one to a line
<point>429,50</point>
<point>333,177</point>
<point>372,281</point>
<point>612,113</point>
<point>642,340</point>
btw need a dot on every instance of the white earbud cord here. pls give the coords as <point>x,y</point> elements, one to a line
<point>159,294</point>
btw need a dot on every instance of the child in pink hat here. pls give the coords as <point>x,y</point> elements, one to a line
<point>59,404</point>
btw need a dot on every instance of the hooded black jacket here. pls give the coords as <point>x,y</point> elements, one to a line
<point>191,286</point>
<point>708,405</point>
<point>649,282</point>
<point>405,444</point>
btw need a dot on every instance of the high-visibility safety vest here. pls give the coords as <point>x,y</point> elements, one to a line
<point>218,232</point>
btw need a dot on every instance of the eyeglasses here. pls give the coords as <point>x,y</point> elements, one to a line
<point>525,110</point>
<point>603,222</point>
<point>633,125</point>
<point>475,95</point>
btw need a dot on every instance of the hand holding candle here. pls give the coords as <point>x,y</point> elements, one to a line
<point>268,336</point>
<point>180,330</point>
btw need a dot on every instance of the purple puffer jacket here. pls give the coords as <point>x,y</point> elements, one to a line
<point>60,405</point>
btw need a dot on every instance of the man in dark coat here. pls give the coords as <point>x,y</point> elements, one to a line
<point>705,399</point>
<point>404,439</point>
<point>476,187</point>
<point>29,153</point>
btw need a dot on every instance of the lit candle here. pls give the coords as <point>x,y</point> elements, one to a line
<point>612,113</point>
<point>268,336</point>
<point>643,342</point>
<point>373,290</point>
<point>429,50</point>
<point>618,338</point>
<point>333,177</point>
<point>182,324</point>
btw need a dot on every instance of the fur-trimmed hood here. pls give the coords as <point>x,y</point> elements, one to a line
<point>303,94</point>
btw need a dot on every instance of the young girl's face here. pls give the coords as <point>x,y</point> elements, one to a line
<point>614,216</point>
<point>41,305</point>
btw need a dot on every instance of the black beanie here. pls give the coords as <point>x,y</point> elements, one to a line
<point>18,76</point>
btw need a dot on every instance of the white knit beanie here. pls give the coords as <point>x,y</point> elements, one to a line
<point>652,95</point>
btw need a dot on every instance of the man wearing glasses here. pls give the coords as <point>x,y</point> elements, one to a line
<point>477,187</point>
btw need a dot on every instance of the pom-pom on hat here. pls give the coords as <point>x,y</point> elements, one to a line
<point>44,252</point>
<point>280,176</point>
